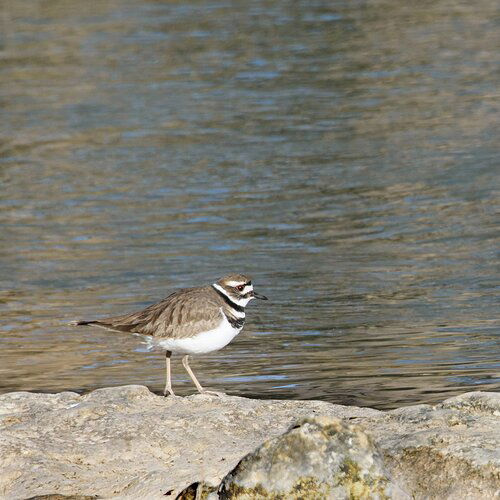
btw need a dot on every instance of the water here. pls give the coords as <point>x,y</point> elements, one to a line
<point>344,154</point>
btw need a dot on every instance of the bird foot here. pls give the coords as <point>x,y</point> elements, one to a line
<point>213,393</point>
<point>168,392</point>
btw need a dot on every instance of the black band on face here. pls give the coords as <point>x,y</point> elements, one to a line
<point>229,302</point>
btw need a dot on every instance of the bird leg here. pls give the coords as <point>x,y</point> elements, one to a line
<point>195,380</point>
<point>191,374</point>
<point>168,386</point>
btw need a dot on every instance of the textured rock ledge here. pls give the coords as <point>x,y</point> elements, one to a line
<point>127,442</point>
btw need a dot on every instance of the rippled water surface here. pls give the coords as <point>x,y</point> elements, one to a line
<point>345,154</point>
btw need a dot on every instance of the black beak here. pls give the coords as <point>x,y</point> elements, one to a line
<point>259,296</point>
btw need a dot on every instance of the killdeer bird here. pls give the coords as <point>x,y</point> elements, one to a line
<point>190,321</point>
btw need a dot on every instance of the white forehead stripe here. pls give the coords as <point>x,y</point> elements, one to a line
<point>235,283</point>
<point>247,289</point>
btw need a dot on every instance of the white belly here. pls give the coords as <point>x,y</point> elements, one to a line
<point>204,342</point>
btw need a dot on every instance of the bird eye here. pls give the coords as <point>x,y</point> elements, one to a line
<point>240,287</point>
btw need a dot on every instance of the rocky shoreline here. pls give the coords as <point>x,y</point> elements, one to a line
<point>126,442</point>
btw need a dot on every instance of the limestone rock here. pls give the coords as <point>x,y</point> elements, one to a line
<point>62,497</point>
<point>129,443</point>
<point>448,451</point>
<point>318,458</point>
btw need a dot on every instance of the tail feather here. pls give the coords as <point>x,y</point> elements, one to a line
<point>78,323</point>
<point>106,325</point>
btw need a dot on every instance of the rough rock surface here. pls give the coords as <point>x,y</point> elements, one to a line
<point>447,451</point>
<point>321,457</point>
<point>127,442</point>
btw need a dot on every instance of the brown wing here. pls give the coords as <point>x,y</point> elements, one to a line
<point>182,314</point>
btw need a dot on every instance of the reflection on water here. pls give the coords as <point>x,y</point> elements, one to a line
<point>344,154</point>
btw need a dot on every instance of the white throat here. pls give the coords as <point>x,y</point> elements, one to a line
<point>240,302</point>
